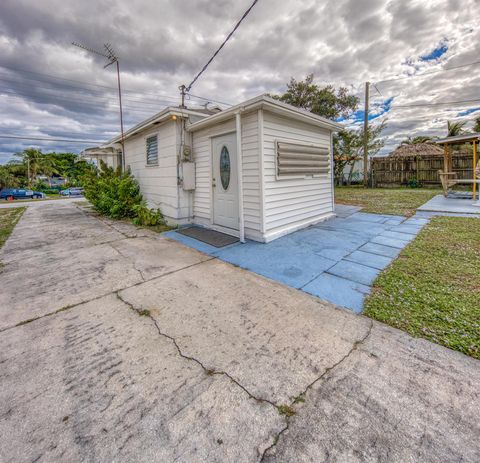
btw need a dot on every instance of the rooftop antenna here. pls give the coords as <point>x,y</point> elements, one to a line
<point>112,58</point>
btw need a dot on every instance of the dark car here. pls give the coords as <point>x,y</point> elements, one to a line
<point>19,193</point>
<point>74,191</point>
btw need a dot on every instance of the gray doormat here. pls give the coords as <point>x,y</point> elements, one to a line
<point>212,237</point>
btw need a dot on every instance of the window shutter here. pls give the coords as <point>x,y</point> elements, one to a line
<point>152,150</point>
<point>295,159</point>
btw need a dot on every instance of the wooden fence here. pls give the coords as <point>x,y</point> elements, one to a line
<point>399,171</point>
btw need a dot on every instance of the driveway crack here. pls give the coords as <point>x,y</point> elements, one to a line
<point>354,347</point>
<point>207,370</point>
<point>142,276</point>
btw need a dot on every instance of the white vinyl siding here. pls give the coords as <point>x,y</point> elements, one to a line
<point>202,152</point>
<point>152,150</point>
<point>158,183</point>
<point>292,201</point>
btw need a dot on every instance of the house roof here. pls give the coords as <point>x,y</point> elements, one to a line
<point>267,102</point>
<point>459,138</point>
<point>418,149</point>
<point>162,116</point>
<point>212,116</point>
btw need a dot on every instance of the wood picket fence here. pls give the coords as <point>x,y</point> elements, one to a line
<point>387,172</point>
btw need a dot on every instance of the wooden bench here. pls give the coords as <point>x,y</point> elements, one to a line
<point>450,179</point>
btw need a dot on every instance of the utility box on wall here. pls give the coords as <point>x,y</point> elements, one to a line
<point>188,169</point>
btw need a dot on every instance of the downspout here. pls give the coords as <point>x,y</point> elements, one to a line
<point>241,221</point>
<point>332,172</point>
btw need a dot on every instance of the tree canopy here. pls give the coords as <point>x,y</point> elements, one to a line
<point>325,101</point>
<point>29,164</point>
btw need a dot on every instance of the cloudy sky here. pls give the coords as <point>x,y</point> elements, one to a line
<point>50,89</point>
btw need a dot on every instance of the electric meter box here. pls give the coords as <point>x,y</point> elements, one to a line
<point>188,169</point>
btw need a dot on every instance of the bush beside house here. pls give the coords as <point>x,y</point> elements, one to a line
<point>116,194</point>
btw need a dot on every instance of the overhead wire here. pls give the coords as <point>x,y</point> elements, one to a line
<point>49,139</point>
<point>217,51</point>
<point>426,73</point>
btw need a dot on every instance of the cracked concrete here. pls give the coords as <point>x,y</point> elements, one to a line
<point>144,350</point>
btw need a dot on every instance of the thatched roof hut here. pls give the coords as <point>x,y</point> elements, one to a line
<point>419,149</point>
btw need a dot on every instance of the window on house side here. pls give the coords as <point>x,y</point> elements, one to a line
<point>152,150</point>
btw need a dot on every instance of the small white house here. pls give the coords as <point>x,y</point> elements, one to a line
<point>258,170</point>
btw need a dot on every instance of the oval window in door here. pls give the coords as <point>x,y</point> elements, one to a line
<point>225,167</point>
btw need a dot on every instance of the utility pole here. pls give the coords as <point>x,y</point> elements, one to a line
<point>112,58</point>
<point>365,136</point>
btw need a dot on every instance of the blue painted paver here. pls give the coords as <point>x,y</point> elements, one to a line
<point>355,272</point>
<point>412,229</point>
<point>380,249</point>
<point>336,260</point>
<point>369,259</point>
<point>340,291</point>
<point>397,235</point>
<point>286,264</point>
<point>392,242</point>
<point>366,217</point>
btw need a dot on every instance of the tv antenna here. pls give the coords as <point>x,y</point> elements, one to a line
<point>112,58</point>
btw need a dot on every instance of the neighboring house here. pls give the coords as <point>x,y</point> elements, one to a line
<point>260,169</point>
<point>354,175</point>
<point>111,155</point>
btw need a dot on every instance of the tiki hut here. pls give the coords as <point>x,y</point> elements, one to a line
<point>412,151</point>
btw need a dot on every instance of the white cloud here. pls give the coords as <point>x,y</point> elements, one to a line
<point>163,44</point>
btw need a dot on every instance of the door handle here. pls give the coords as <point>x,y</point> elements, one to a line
<point>213,183</point>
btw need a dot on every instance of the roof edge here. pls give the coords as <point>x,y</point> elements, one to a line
<point>265,101</point>
<point>458,138</point>
<point>162,116</point>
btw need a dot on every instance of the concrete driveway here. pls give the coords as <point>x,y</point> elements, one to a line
<point>117,344</point>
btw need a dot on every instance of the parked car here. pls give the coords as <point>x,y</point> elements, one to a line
<point>19,193</point>
<point>74,191</point>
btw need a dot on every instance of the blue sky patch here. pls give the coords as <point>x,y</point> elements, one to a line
<point>467,112</point>
<point>435,53</point>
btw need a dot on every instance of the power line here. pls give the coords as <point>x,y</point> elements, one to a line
<point>436,104</point>
<point>221,46</point>
<point>77,81</point>
<point>74,96</point>
<point>50,139</point>
<point>61,101</point>
<point>210,100</point>
<point>428,73</point>
<point>166,101</point>
<point>91,91</point>
<point>165,98</point>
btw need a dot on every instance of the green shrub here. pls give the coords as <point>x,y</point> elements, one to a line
<point>146,216</point>
<point>117,194</point>
<point>414,183</point>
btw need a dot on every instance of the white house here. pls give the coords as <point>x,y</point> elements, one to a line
<point>258,170</point>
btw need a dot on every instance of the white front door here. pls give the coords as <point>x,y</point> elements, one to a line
<point>225,181</point>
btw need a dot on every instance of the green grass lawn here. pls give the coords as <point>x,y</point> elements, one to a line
<point>433,289</point>
<point>8,220</point>
<point>397,201</point>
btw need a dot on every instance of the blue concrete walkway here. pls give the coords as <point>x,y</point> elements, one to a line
<point>336,260</point>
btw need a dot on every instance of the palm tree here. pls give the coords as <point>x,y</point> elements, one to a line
<point>476,127</point>
<point>455,128</point>
<point>416,140</point>
<point>7,179</point>
<point>36,163</point>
